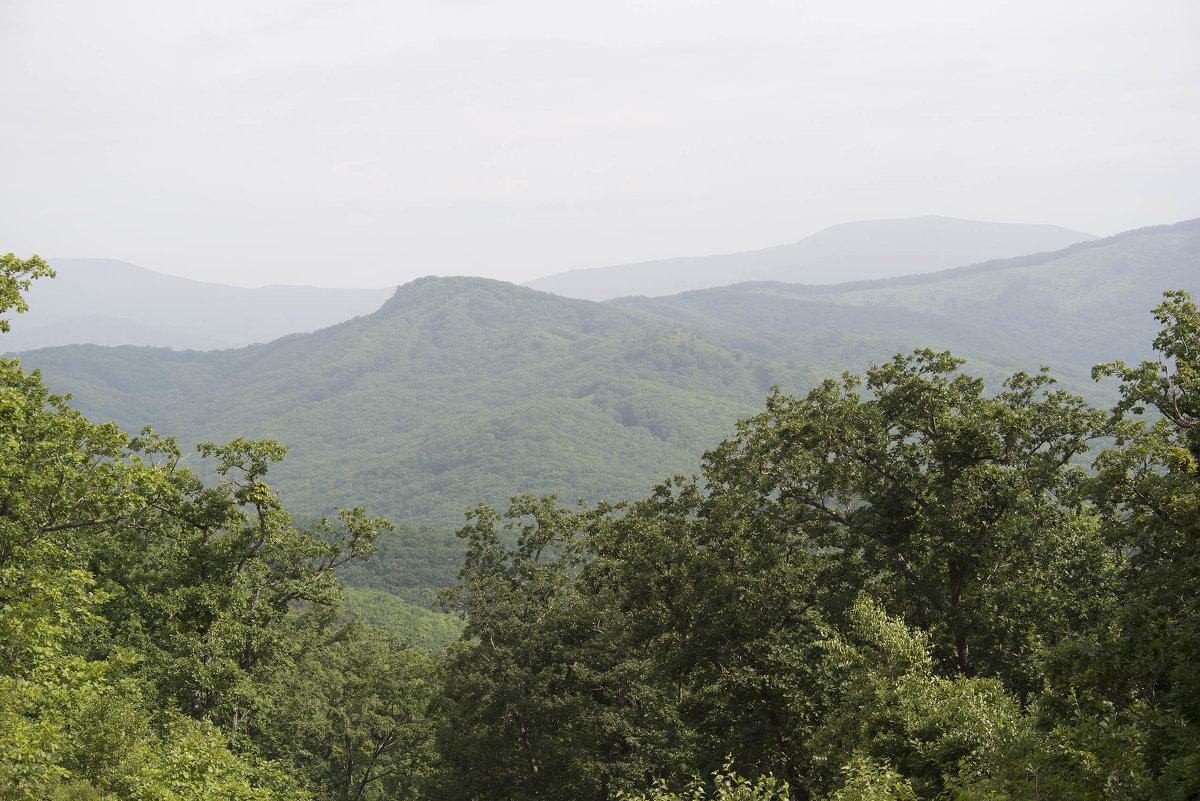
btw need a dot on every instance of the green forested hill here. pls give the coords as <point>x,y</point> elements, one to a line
<point>456,392</point>
<point>463,391</point>
<point>1070,309</point>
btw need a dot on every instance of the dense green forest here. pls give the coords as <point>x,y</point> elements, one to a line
<point>903,584</point>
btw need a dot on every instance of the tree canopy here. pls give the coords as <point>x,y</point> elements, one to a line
<point>896,586</point>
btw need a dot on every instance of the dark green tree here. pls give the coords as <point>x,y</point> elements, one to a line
<point>201,587</point>
<point>959,511</point>
<point>348,709</point>
<point>15,277</point>
<point>145,617</point>
<point>1144,669</point>
<point>727,610</point>
<point>609,646</point>
<point>543,698</point>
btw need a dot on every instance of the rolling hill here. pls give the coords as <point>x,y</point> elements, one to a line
<point>457,391</point>
<point>849,252</point>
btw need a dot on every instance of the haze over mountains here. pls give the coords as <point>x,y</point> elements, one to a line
<point>108,302</point>
<point>1087,303</point>
<point>848,252</point>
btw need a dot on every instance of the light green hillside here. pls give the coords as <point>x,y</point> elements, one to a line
<point>418,625</point>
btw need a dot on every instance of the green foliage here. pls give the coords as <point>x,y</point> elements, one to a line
<point>1143,671</point>
<point>411,563</point>
<point>73,727</point>
<point>132,597</point>
<point>59,472</point>
<point>867,780</point>
<point>725,608</point>
<point>538,700</point>
<point>962,509</point>
<point>15,277</point>
<point>727,785</point>
<point>893,587</point>
<point>195,765</point>
<point>893,723</point>
<point>1172,384</point>
<point>347,710</point>
<point>893,593</point>
<point>201,589</point>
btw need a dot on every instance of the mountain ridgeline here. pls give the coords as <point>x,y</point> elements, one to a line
<point>455,392</point>
<point>1069,309</point>
<point>462,391</point>
<point>109,302</point>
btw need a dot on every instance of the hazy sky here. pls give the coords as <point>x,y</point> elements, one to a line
<point>367,142</point>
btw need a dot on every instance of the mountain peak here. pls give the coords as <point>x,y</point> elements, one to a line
<point>489,305</point>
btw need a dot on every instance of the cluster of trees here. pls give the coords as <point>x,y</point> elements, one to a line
<point>162,639</point>
<point>895,587</point>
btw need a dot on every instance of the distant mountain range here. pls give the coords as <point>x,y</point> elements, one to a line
<point>460,390</point>
<point>456,391</point>
<point>849,252</point>
<point>1087,303</point>
<point>107,302</point>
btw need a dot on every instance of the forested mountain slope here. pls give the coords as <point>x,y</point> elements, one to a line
<point>1070,309</point>
<point>457,391</point>
<point>848,252</point>
<point>461,391</point>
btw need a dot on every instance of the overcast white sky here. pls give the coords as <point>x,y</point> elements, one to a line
<point>367,142</point>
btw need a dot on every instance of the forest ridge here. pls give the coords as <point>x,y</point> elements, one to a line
<point>459,391</point>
